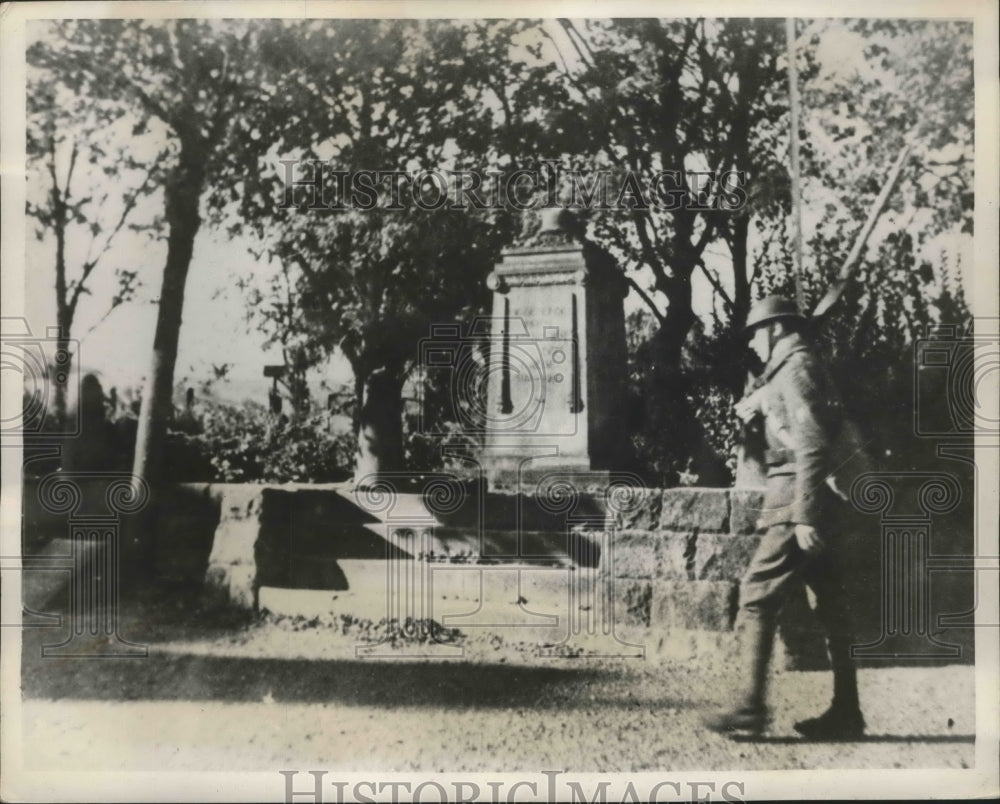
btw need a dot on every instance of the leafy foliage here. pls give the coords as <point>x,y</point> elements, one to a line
<point>640,95</point>
<point>699,448</point>
<point>915,81</point>
<point>378,95</point>
<point>204,83</point>
<point>87,185</point>
<point>691,96</point>
<point>248,444</point>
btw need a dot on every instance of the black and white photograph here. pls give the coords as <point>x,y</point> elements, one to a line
<point>505,402</point>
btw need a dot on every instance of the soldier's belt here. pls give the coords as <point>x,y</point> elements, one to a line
<point>778,457</point>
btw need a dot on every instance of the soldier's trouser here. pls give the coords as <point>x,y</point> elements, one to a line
<point>776,568</point>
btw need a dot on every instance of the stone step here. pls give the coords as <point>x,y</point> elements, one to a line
<point>458,544</point>
<point>466,581</point>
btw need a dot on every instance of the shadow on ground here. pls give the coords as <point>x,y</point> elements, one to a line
<point>780,739</point>
<point>170,672</point>
<point>342,681</point>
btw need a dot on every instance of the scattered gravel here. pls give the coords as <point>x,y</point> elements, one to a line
<point>273,692</point>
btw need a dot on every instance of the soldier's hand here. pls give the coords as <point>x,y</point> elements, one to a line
<point>809,539</point>
<point>748,407</point>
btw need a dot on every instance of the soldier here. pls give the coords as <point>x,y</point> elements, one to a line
<point>801,414</point>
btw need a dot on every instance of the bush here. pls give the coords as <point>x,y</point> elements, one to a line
<point>440,450</point>
<point>682,425</point>
<point>247,443</point>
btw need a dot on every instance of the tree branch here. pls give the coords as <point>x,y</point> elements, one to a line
<point>114,306</point>
<point>757,264</point>
<point>717,285</point>
<point>153,107</point>
<point>577,41</point>
<point>220,100</point>
<point>660,317</point>
<point>648,250</point>
<point>567,72</point>
<point>129,202</point>
<point>312,276</point>
<point>72,165</point>
<point>706,236</point>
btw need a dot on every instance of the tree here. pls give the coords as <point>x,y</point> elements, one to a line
<point>915,83</point>
<point>704,94</point>
<point>691,96</point>
<point>373,285</point>
<point>385,95</point>
<point>87,187</point>
<point>697,98</point>
<point>202,80</point>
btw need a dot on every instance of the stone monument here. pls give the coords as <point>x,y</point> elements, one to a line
<point>556,388</point>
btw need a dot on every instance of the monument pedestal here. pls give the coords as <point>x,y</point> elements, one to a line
<point>556,389</point>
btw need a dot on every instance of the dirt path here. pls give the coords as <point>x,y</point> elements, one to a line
<point>289,694</point>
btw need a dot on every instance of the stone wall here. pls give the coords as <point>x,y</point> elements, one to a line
<point>238,537</point>
<point>677,559</point>
<point>675,556</point>
<point>678,556</point>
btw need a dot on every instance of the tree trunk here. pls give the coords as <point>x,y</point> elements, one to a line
<point>60,380</point>
<point>64,320</point>
<point>182,196</point>
<point>380,424</point>
<point>741,282</point>
<point>750,469</point>
<point>680,317</point>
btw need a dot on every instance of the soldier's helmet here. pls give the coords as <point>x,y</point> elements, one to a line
<point>771,308</point>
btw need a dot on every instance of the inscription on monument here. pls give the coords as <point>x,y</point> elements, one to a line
<point>557,359</point>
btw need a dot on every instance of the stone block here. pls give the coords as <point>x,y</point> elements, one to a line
<point>564,507</point>
<point>641,513</point>
<point>693,508</point>
<point>744,510</point>
<point>232,585</point>
<point>312,572</point>
<point>246,543</point>
<point>676,554</point>
<point>705,605</point>
<point>632,601</point>
<point>318,520</point>
<point>242,583</point>
<point>722,557</point>
<point>240,500</point>
<point>234,542</point>
<point>186,520</point>
<point>274,562</point>
<point>673,555</point>
<point>216,584</point>
<point>568,506</point>
<point>634,555</point>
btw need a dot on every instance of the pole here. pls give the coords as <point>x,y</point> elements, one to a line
<point>793,146</point>
<point>750,470</point>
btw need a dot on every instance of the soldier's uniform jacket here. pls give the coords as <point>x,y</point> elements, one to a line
<point>802,414</point>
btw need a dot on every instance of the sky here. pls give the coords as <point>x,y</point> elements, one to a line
<point>215,331</point>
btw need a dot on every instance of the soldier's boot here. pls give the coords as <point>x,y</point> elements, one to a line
<point>749,717</point>
<point>843,719</point>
